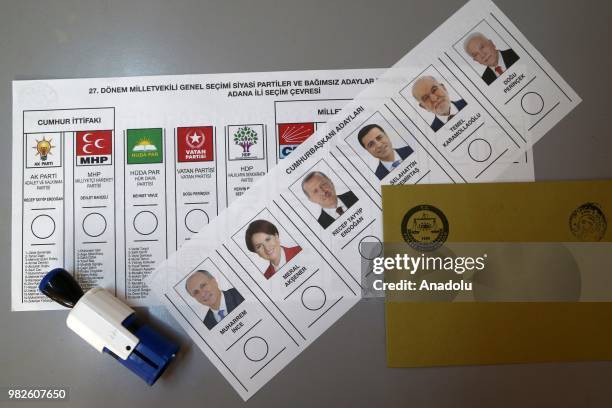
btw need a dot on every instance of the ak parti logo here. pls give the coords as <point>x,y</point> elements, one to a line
<point>195,144</point>
<point>94,148</point>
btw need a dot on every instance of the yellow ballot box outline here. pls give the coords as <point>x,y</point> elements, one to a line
<point>435,334</point>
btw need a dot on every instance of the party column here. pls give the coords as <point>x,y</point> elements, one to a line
<point>145,209</point>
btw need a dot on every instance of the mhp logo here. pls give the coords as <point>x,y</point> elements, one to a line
<point>94,148</point>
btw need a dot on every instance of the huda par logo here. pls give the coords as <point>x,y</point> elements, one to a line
<point>195,144</point>
<point>94,148</point>
<point>145,146</point>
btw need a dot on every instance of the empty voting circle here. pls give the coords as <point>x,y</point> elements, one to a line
<point>313,298</point>
<point>370,247</point>
<point>195,220</point>
<point>480,150</point>
<point>256,348</point>
<point>532,103</point>
<point>94,224</point>
<point>145,222</point>
<point>43,226</point>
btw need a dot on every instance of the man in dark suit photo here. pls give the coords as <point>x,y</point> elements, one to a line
<point>483,51</point>
<point>203,287</point>
<point>321,190</point>
<point>433,97</point>
<point>373,138</point>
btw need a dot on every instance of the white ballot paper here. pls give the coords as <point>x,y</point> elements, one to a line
<point>273,271</point>
<point>112,175</point>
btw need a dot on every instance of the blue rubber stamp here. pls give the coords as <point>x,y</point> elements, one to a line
<point>110,326</point>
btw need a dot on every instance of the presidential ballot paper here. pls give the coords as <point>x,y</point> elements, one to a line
<point>272,272</point>
<point>112,175</point>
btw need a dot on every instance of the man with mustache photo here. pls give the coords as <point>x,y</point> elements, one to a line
<point>375,140</point>
<point>433,97</point>
<point>321,190</point>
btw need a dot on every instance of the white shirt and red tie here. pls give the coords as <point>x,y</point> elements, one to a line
<point>501,66</point>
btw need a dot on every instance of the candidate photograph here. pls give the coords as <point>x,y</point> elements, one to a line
<point>484,51</point>
<point>262,238</point>
<point>320,190</point>
<point>432,96</point>
<point>204,288</point>
<point>375,140</point>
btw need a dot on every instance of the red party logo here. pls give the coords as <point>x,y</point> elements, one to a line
<point>291,135</point>
<point>94,147</point>
<point>195,144</point>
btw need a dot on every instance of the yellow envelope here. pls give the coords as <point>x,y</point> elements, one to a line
<point>435,334</point>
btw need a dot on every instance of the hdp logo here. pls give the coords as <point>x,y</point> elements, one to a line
<point>245,137</point>
<point>245,142</point>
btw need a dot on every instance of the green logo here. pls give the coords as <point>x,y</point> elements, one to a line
<point>144,146</point>
<point>245,137</point>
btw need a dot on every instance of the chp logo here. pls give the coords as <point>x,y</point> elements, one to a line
<point>195,144</point>
<point>291,135</point>
<point>94,148</point>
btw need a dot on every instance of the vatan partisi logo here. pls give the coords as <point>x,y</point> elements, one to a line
<point>246,137</point>
<point>195,139</point>
<point>195,144</point>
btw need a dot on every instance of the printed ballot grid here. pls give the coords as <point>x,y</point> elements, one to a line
<point>111,188</point>
<point>444,118</point>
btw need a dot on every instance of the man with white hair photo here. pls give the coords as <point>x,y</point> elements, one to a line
<point>485,52</point>
<point>433,96</point>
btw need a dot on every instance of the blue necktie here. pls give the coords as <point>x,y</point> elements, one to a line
<point>221,313</point>
<point>396,163</point>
